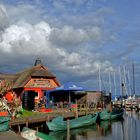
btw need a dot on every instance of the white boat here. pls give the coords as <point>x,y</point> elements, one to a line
<point>30,134</point>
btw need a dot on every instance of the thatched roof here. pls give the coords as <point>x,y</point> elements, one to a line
<point>8,76</point>
<point>20,79</point>
<point>27,74</point>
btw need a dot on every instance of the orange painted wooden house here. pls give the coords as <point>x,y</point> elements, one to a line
<point>37,79</point>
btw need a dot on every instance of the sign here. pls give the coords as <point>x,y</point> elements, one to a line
<point>49,83</point>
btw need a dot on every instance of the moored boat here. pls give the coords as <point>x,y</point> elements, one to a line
<point>59,124</point>
<point>63,134</point>
<point>31,134</point>
<point>110,115</point>
<point>4,121</point>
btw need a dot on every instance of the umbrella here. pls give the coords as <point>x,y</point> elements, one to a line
<point>70,86</point>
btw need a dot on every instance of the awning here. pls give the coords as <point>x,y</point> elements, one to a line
<point>69,86</point>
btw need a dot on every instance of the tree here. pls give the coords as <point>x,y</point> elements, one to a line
<point>5,86</point>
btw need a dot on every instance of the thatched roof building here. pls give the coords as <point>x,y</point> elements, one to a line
<point>36,78</point>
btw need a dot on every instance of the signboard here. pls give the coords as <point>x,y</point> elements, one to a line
<point>49,83</point>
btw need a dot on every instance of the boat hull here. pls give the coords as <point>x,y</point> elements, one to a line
<point>4,123</point>
<point>31,134</point>
<point>105,115</point>
<point>58,124</point>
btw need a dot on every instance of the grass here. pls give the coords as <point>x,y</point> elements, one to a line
<point>26,113</point>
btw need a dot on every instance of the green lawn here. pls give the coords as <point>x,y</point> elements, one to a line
<point>26,113</point>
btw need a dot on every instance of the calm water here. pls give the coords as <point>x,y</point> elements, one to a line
<point>127,128</point>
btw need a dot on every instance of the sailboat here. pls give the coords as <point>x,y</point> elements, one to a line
<point>131,101</point>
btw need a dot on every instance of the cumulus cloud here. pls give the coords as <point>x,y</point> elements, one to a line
<point>68,35</point>
<point>24,11</point>
<point>24,39</point>
<point>3,18</point>
<point>27,37</point>
<point>71,36</point>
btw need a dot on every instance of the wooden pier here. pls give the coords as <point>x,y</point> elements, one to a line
<point>38,121</point>
<point>10,135</point>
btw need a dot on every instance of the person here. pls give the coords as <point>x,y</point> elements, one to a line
<point>51,104</point>
<point>61,104</point>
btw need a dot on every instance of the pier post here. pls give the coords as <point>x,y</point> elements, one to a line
<point>26,124</point>
<point>18,128</point>
<point>37,128</point>
<point>48,118</point>
<point>76,110</point>
<point>68,129</point>
<point>10,125</point>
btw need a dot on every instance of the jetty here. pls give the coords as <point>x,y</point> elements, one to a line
<point>10,135</point>
<point>39,121</point>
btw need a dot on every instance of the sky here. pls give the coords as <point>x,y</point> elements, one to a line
<point>75,39</point>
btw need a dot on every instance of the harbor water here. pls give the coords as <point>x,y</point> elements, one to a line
<point>126,128</point>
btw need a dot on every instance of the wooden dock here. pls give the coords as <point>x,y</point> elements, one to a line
<point>41,119</point>
<point>10,135</point>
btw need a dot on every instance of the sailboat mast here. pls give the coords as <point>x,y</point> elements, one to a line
<point>123,89</point>
<point>125,86</point>
<point>120,80</point>
<point>115,83</point>
<point>110,81</point>
<point>100,86</point>
<point>129,83</point>
<point>133,78</point>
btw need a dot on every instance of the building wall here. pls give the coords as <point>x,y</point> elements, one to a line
<point>93,96</point>
<point>42,83</point>
<point>39,85</point>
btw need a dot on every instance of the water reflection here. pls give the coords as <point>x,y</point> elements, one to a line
<point>131,126</point>
<point>126,128</point>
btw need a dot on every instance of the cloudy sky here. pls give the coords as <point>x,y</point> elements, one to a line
<point>73,38</point>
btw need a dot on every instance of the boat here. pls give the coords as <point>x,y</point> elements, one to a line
<point>31,134</point>
<point>110,115</point>
<point>58,123</point>
<point>4,121</point>
<point>62,135</point>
